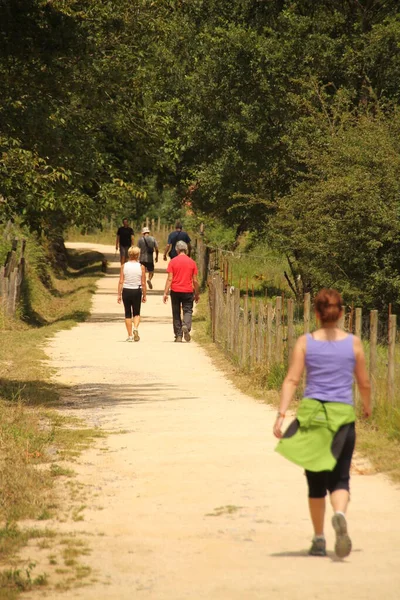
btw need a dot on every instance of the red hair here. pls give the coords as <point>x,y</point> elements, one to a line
<point>328,304</point>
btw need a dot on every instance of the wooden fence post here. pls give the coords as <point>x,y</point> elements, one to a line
<point>373,337</point>
<point>213,307</point>
<point>252,350</point>
<point>358,333</point>
<point>243,354</point>
<point>391,356</point>
<point>290,327</point>
<point>278,329</point>
<point>307,307</point>
<point>227,319</point>
<point>12,292</point>
<point>20,278</point>
<point>358,328</point>
<point>236,322</point>
<point>270,317</point>
<point>260,330</point>
<point>341,321</point>
<point>158,223</point>
<point>231,321</point>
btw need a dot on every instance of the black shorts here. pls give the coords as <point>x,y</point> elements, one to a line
<point>123,252</point>
<point>149,266</point>
<point>338,479</point>
<point>132,300</point>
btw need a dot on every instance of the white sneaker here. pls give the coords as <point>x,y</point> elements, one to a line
<point>129,339</point>
<point>343,541</point>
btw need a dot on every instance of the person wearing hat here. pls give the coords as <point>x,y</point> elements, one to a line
<point>148,245</point>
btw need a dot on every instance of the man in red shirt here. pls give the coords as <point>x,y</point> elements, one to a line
<point>182,281</point>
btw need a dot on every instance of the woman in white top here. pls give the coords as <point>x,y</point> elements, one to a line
<point>132,291</point>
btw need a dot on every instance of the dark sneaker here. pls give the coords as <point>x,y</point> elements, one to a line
<point>136,337</point>
<point>150,284</point>
<point>178,338</point>
<point>186,333</point>
<point>318,547</point>
<point>343,541</point>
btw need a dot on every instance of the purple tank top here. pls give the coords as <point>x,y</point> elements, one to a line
<point>330,367</point>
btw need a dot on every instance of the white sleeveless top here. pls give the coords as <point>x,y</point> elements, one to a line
<point>132,275</point>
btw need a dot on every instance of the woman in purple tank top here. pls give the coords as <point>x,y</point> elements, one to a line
<point>331,358</point>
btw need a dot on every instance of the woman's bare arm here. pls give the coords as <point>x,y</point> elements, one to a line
<point>120,284</point>
<point>144,287</point>
<point>291,382</point>
<point>362,377</point>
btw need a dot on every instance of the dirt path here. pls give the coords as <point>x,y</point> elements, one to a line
<point>192,501</point>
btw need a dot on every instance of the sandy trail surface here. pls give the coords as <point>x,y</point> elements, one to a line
<point>190,501</point>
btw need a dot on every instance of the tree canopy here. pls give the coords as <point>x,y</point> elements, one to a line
<point>279,116</point>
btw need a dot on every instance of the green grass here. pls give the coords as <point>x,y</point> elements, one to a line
<point>260,270</point>
<point>15,581</point>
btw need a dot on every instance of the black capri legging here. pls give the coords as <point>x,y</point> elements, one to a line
<point>338,479</point>
<point>132,300</point>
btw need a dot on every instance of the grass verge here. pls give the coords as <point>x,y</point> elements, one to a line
<point>34,438</point>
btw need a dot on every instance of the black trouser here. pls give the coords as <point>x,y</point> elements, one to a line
<point>184,300</point>
<point>339,478</point>
<point>132,300</point>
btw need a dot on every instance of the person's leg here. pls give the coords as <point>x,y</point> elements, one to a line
<point>123,251</point>
<point>176,314</point>
<point>126,299</point>
<point>128,324</point>
<point>136,306</point>
<point>317,513</point>
<point>187,308</point>
<point>316,503</point>
<point>339,487</point>
<point>340,500</point>
<point>150,271</point>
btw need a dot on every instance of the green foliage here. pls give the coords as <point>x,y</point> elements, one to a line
<point>340,225</point>
<point>226,108</point>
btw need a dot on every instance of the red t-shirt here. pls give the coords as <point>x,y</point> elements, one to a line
<point>182,268</point>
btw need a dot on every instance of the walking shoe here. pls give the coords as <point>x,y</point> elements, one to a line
<point>136,335</point>
<point>150,284</point>
<point>343,541</point>
<point>318,547</point>
<point>129,339</point>
<point>178,338</point>
<point>186,333</point>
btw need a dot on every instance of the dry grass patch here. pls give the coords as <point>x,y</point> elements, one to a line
<point>34,438</point>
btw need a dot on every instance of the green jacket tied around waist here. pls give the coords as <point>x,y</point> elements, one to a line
<point>315,438</point>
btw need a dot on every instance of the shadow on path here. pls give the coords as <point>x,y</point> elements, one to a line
<point>89,395</point>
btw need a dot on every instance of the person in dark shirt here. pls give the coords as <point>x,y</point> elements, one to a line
<point>124,241</point>
<point>176,236</point>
